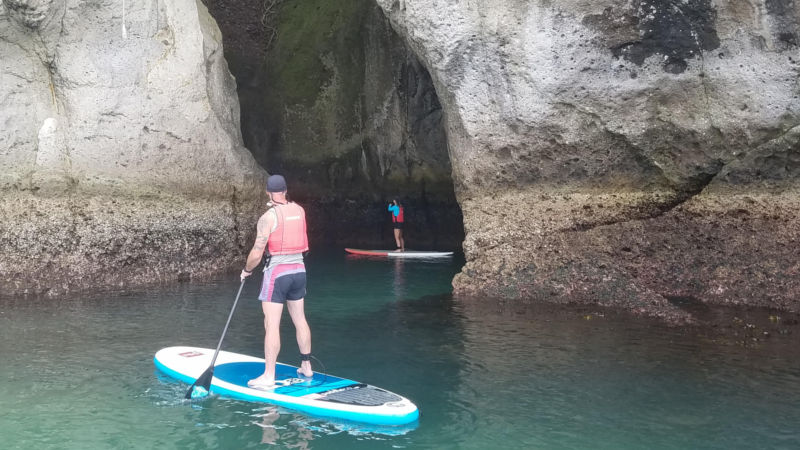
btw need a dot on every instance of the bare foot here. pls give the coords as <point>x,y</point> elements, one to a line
<point>305,370</point>
<point>261,383</point>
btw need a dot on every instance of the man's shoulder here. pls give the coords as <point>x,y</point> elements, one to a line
<point>270,212</point>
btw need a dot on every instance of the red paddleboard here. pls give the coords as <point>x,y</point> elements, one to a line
<point>394,254</point>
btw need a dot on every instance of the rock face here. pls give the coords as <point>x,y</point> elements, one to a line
<point>121,158</point>
<point>332,98</point>
<point>620,152</point>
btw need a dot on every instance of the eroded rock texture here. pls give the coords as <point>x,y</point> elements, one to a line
<point>620,152</point>
<point>121,158</point>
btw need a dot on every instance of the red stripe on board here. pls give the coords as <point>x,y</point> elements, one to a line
<point>357,251</point>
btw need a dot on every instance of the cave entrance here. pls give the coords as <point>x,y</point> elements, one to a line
<point>333,99</point>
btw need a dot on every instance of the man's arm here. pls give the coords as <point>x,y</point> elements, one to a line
<point>263,231</point>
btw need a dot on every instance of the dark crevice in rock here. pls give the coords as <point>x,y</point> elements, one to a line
<point>789,132</point>
<point>774,162</point>
<point>235,216</point>
<point>694,187</point>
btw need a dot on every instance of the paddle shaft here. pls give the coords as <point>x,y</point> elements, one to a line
<point>204,380</point>
<point>225,330</point>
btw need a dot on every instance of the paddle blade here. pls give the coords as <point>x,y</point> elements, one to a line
<point>201,386</point>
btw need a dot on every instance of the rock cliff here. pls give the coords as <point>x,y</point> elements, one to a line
<point>620,152</point>
<point>635,153</point>
<point>121,158</point>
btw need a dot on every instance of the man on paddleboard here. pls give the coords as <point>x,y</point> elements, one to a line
<point>282,232</point>
<point>396,209</point>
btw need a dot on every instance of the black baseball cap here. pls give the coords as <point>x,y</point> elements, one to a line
<point>276,183</point>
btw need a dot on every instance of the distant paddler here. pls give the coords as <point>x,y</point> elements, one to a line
<point>396,210</point>
<point>281,231</point>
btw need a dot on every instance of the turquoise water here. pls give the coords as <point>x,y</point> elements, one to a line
<point>78,374</point>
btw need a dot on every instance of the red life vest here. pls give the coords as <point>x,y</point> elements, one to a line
<point>290,235</point>
<point>399,217</point>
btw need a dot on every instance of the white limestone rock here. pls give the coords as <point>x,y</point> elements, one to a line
<point>583,118</point>
<point>104,106</point>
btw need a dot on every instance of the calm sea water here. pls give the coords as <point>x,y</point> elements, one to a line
<point>77,373</point>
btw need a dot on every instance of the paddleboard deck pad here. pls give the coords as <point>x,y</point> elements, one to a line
<point>394,254</point>
<point>323,395</point>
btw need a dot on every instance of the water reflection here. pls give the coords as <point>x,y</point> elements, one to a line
<point>291,430</point>
<point>399,278</point>
<point>599,372</point>
<point>294,435</point>
<point>78,372</point>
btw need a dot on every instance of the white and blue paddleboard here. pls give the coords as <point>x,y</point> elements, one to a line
<point>396,254</point>
<point>324,395</point>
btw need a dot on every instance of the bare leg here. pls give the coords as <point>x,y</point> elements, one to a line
<point>402,241</point>
<point>302,330</point>
<point>272,342</point>
<point>398,239</point>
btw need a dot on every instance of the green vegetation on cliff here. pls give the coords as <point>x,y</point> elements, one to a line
<point>316,74</point>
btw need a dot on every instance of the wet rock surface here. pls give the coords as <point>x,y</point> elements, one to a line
<point>703,248</point>
<point>65,244</point>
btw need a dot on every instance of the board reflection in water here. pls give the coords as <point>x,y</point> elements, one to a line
<point>399,279</point>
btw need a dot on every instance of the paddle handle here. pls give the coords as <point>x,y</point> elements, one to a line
<point>225,330</point>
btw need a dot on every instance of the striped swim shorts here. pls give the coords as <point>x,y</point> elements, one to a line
<point>283,282</point>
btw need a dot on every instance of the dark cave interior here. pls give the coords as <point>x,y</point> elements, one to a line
<point>333,99</point>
